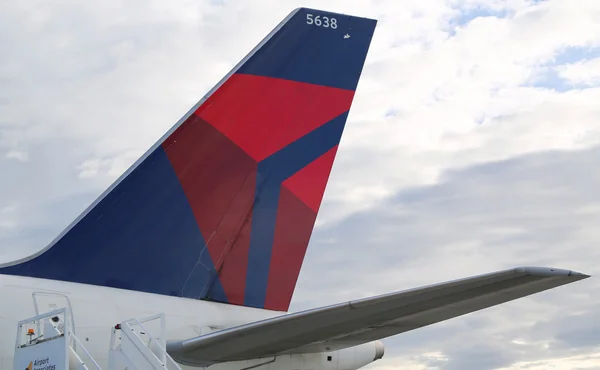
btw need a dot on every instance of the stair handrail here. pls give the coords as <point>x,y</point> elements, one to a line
<point>161,344</point>
<point>67,331</point>
<point>82,347</point>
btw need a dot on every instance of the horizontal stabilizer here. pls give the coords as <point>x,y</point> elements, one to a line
<point>365,320</point>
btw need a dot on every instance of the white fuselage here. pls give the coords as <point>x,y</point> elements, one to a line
<point>96,310</point>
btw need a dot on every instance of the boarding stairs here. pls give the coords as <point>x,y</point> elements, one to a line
<point>48,342</point>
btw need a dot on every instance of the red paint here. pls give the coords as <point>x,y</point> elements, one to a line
<point>232,273</point>
<point>294,226</point>
<point>219,180</point>
<point>263,115</point>
<point>215,154</point>
<point>309,183</point>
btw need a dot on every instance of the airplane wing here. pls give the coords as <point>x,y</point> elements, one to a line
<point>352,323</point>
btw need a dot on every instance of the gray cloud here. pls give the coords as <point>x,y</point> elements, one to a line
<point>87,87</point>
<point>537,209</point>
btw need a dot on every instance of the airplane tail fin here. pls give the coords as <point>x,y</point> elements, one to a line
<point>223,206</point>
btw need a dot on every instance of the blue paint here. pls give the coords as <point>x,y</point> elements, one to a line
<point>308,53</point>
<point>142,236</point>
<point>272,171</point>
<point>203,281</point>
<point>215,290</point>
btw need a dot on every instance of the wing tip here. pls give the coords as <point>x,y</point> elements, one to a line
<point>550,272</point>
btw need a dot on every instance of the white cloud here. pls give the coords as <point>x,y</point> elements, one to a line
<point>539,209</point>
<point>588,361</point>
<point>585,72</point>
<point>449,85</point>
<point>18,155</point>
<point>7,217</point>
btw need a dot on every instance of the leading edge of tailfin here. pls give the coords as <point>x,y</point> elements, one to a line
<point>223,206</point>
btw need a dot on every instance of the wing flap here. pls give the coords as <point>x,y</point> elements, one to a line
<point>361,321</point>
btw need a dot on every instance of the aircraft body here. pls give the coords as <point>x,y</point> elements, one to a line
<point>210,226</point>
<point>97,309</point>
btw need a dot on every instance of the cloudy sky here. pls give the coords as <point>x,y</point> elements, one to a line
<point>472,146</point>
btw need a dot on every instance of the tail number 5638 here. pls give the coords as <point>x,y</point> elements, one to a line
<point>319,21</point>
